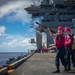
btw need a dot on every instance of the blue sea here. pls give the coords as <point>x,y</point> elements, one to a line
<point>4,56</point>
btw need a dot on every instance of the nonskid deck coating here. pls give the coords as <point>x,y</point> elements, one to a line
<point>40,64</point>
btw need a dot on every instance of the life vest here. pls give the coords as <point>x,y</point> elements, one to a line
<point>60,41</point>
<point>67,38</point>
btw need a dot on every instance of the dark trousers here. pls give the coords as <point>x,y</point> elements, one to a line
<point>60,55</point>
<point>68,55</point>
<point>73,57</point>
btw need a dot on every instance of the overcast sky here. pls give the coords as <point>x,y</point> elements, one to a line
<point>15,31</point>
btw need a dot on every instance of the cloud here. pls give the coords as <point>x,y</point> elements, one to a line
<point>10,42</point>
<point>9,37</point>
<point>14,10</point>
<point>2,30</point>
<point>3,2</point>
<point>30,32</point>
<point>18,42</point>
<point>16,7</point>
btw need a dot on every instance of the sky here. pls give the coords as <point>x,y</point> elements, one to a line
<point>15,30</point>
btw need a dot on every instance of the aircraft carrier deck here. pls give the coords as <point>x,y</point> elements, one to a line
<point>40,64</point>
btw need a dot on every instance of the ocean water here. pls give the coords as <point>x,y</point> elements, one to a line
<point>4,56</point>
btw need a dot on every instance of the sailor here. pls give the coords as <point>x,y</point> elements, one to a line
<point>73,53</point>
<point>59,43</point>
<point>68,46</point>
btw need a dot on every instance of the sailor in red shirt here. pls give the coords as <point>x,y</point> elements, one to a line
<point>68,46</point>
<point>59,43</point>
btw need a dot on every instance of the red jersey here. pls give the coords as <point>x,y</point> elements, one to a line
<point>60,41</point>
<point>67,38</point>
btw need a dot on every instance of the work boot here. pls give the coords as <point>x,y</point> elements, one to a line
<point>68,68</point>
<point>65,69</point>
<point>57,71</point>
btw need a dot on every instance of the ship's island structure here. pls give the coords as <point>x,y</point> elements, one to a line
<point>52,13</point>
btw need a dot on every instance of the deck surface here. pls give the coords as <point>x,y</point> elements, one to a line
<point>40,64</point>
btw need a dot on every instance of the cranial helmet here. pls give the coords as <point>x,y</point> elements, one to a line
<point>67,29</point>
<point>60,28</point>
